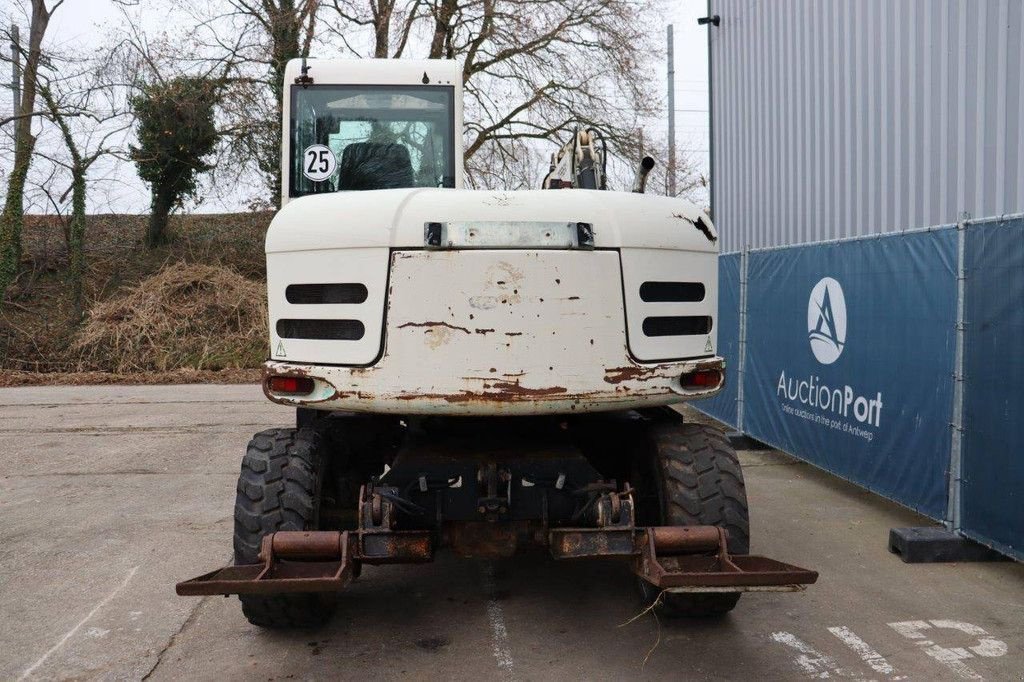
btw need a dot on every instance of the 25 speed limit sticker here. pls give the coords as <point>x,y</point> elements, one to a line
<point>318,162</point>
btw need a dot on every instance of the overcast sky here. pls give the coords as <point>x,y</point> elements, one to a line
<point>79,25</point>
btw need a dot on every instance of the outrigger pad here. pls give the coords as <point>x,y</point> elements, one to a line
<point>312,561</point>
<point>682,558</point>
<point>736,573</point>
<point>283,576</point>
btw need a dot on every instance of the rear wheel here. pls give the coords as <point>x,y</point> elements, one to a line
<point>280,488</point>
<point>698,479</point>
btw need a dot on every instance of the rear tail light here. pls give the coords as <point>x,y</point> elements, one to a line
<point>701,379</point>
<point>290,385</point>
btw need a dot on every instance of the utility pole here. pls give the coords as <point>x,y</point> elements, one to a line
<point>671,117</point>
<point>15,69</point>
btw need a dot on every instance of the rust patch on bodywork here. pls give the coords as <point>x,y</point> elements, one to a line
<point>499,391</point>
<point>460,397</point>
<point>430,325</point>
<point>296,371</point>
<point>489,389</point>
<point>616,375</point>
<point>517,390</point>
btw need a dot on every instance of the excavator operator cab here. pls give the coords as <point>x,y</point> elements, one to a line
<point>371,124</point>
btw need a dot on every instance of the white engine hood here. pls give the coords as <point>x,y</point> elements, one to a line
<point>395,218</point>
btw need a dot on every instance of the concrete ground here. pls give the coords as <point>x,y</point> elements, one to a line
<point>109,495</point>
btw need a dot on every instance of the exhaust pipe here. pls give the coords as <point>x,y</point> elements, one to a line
<point>642,171</point>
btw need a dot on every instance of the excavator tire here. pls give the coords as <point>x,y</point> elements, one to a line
<point>279,488</point>
<point>699,482</point>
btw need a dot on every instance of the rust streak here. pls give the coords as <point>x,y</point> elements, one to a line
<point>460,397</point>
<point>515,388</point>
<point>431,325</point>
<point>615,375</point>
<point>507,391</point>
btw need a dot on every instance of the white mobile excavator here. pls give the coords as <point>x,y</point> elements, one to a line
<point>478,370</point>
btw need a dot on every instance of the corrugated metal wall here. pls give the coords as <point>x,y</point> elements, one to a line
<point>838,118</point>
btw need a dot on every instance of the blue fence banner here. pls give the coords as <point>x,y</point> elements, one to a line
<point>723,406</point>
<point>992,492</point>
<point>849,359</point>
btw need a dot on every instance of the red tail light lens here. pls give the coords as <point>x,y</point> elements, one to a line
<point>292,385</point>
<point>701,379</point>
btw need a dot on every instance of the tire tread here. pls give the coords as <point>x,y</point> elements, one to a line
<point>279,489</point>
<point>702,484</point>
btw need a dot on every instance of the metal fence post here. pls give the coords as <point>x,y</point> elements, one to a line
<point>953,498</point>
<point>742,364</point>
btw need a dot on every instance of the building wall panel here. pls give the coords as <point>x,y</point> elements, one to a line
<point>836,119</point>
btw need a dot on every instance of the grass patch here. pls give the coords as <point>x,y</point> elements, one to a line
<point>204,317</point>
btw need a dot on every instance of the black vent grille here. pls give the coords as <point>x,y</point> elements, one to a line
<point>326,293</point>
<point>688,325</point>
<point>672,292</point>
<point>332,330</point>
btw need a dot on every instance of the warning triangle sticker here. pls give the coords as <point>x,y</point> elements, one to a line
<point>707,346</point>
<point>280,349</point>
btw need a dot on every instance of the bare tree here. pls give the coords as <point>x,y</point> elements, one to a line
<point>84,95</point>
<point>379,16</point>
<point>81,119</point>
<point>12,218</point>
<point>76,229</point>
<point>270,32</point>
<point>532,69</point>
<point>235,67</point>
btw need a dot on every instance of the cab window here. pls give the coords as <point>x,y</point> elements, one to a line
<point>346,138</point>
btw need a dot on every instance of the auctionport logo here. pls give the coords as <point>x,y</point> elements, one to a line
<point>826,320</point>
<point>834,404</point>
